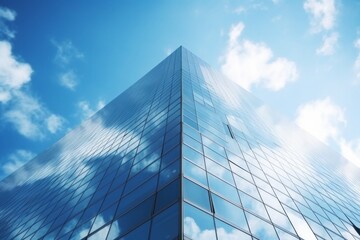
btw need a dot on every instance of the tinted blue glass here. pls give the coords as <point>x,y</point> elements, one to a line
<point>224,189</point>
<point>196,194</point>
<point>141,232</point>
<point>229,212</point>
<point>260,228</point>
<point>194,156</point>
<point>194,172</point>
<point>169,174</point>
<point>166,224</point>
<point>137,196</point>
<point>136,216</point>
<point>167,195</point>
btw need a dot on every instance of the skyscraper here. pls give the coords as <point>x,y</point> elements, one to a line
<point>184,153</point>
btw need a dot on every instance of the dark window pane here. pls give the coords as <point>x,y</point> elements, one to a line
<point>141,232</point>
<point>167,195</point>
<point>136,216</point>
<point>166,224</point>
<point>169,174</point>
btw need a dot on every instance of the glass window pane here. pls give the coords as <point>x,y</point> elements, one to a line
<point>167,195</point>
<point>261,229</point>
<point>101,234</point>
<point>193,156</point>
<point>195,173</point>
<point>229,212</point>
<point>198,224</point>
<point>280,220</point>
<point>252,205</point>
<point>136,216</point>
<point>166,224</point>
<point>219,171</point>
<point>224,189</point>
<point>169,174</point>
<point>196,194</point>
<point>225,232</point>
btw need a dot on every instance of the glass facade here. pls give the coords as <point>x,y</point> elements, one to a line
<point>183,154</point>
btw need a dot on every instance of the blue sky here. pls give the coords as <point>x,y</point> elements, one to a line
<point>61,61</point>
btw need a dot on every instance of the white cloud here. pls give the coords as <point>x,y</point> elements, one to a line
<point>87,111</point>
<point>351,150</point>
<point>27,114</point>
<point>6,15</point>
<point>54,123</point>
<point>322,118</point>
<point>357,61</point>
<point>248,63</point>
<point>13,74</point>
<point>16,160</point>
<point>66,52</point>
<point>323,14</point>
<point>240,9</point>
<point>329,44</point>
<point>68,79</point>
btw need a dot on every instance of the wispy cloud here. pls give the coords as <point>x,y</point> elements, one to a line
<point>66,52</point>
<point>322,13</point>
<point>240,10</point>
<point>66,55</point>
<point>16,160</point>
<point>252,6</point>
<point>249,63</point>
<point>6,15</point>
<point>69,79</point>
<point>322,118</point>
<point>87,111</point>
<point>27,115</point>
<point>54,123</point>
<point>329,44</point>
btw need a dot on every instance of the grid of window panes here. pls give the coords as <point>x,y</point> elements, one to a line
<point>243,180</point>
<point>115,176</point>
